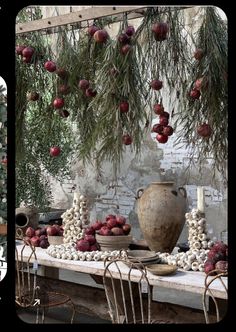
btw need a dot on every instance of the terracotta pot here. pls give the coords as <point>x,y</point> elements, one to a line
<point>161,212</point>
<point>3,229</point>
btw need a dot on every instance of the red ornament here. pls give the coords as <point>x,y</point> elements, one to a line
<point>195,94</point>
<point>165,115</point>
<point>158,109</point>
<point>63,113</point>
<point>204,130</point>
<point>55,151</point>
<point>92,29</point>
<point>198,84</point>
<point>130,30</point>
<point>126,49</point>
<point>50,66</point>
<point>124,107</point>
<point>90,92</point>
<point>157,128</point>
<point>58,102</point>
<point>27,52</point>
<point>163,121</point>
<point>62,73</point>
<point>124,38</point>
<point>64,89</point>
<point>83,84</point>
<point>160,31</point>
<point>127,139</point>
<point>19,49</point>
<point>161,138</point>
<point>168,130</point>
<point>198,54</point>
<point>101,36</point>
<point>156,84</point>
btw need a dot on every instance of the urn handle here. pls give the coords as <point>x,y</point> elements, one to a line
<point>139,193</point>
<point>182,191</point>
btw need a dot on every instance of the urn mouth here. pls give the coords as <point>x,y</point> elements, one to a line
<point>164,182</point>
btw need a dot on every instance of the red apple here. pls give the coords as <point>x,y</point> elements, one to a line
<point>43,237</point>
<point>163,121</point>
<point>130,30</point>
<point>27,52</point>
<point>92,29</point>
<point>165,114</point>
<point>101,36</point>
<point>104,230</point>
<point>124,38</point>
<point>110,216</point>
<point>126,229</point>
<point>158,109</point>
<point>127,139</point>
<point>157,128</point>
<point>161,138</point>
<point>195,94</point>
<point>90,92</point>
<point>111,223</point>
<point>120,220</point>
<point>156,84</point>
<point>63,113</point>
<point>89,231</point>
<point>19,49</point>
<point>93,247</point>
<point>55,151</point>
<point>64,89</point>
<point>168,131</point>
<point>35,241</point>
<point>38,232</point>
<point>44,244</point>
<point>82,245</point>
<point>198,54</point>
<point>126,49</point>
<point>83,84</point>
<point>117,231</point>
<point>58,102</point>
<point>90,238</point>
<point>204,130</point>
<point>50,66</point>
<point>62,73</point>
<point>52,231</point>
<point>124,107</point>
<point>30,232</point>
<point>97,225</point>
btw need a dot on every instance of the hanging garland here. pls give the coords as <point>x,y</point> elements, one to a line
<point>204,114</point>
<point>91,97</point>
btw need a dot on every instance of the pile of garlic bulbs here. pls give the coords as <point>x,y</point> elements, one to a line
<point>199,245</point>
<point>68,252</point>
<point>76,219</point>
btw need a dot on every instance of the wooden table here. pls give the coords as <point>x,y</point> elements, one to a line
<point>189,281</point>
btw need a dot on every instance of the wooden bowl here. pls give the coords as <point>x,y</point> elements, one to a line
<point>161,269</point>
<point>54,240</point>
<point>113,242</point>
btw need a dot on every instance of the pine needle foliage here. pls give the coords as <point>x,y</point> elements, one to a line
<point>94,128</point>
<point>212,106</point>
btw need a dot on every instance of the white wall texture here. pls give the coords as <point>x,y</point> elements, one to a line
<point>157,162</point>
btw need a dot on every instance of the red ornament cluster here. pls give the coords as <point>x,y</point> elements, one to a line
<point>162,128</point>
<point>125,39</point>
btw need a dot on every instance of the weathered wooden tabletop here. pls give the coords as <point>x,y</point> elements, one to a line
<point>189,281</point>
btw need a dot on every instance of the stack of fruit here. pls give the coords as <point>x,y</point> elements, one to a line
<point>39,237</point>
<point>113,226</point>
<point>217,258</point>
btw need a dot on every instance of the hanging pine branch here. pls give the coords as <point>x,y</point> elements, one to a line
<point>204,114</point>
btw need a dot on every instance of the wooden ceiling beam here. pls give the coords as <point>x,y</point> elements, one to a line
<point>79,17</point>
